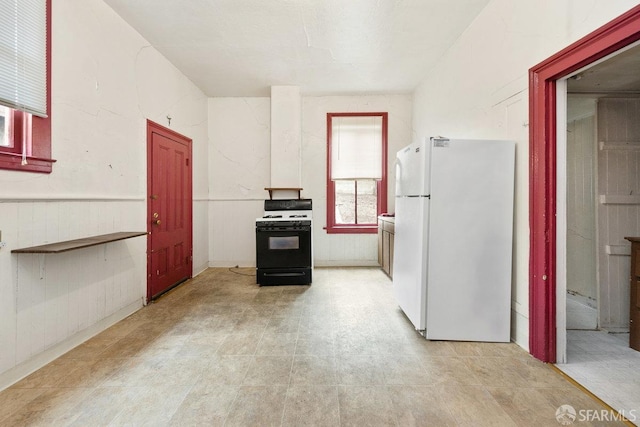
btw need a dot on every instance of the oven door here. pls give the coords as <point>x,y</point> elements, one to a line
<point>280,247</point>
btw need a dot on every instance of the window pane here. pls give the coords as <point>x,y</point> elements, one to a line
<point>345,201</point>
<point>367,201</point>
<point>5,130</point>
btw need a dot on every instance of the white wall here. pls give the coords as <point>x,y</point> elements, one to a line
<point>239,130</point>
<point>239,159</point>
<point>107,82</point>
<point>479,89</point>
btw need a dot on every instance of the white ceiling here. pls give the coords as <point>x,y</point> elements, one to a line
<point>617,75</point>
<point>243,47</point>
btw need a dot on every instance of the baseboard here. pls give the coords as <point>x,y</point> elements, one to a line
<point>200,269</point>
<point>230,264</point>
<point>346,263</point>
<point>27,367</point>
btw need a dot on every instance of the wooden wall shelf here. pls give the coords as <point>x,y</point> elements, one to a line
<point>272,189</point>
<point>70,245</point>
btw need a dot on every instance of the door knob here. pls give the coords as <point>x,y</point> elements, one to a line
<point>156,222</point>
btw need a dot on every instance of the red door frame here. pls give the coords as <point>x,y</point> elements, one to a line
<point>613,36</point>
<point>171,134</point>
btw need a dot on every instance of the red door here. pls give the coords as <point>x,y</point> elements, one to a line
<point>169,246</point>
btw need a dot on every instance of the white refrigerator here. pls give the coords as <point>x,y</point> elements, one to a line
<point>454,238</point>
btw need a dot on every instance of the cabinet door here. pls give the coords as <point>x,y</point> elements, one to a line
<point>385,252</point>
<point>380,228</point>
<point>391,254</point>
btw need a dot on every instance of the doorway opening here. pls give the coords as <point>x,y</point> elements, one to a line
<point>577,257</point>
<point>598,169</point>
<point>545,79</point>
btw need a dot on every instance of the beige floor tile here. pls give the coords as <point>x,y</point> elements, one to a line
<point>450,370</point>
<point>90,349</point>
<point>151,406</point>
<point>356,369</point>
<point>365,406</point>
<point>225,370</point>
<point>219,350</point>
<point>49,375</point>
<point>129,346</point>
<point>183,371</point>
<point>474,406</point>
<point>269,370</point>
<point>257,406</point>
<point>134,372</point>
<point>539,374</point>
<point>425,348</point>
<point>205,405</point>
<point>315,345</point>
<point>526,406</point>
<point>311,405</point>
<point>164,345</point>
<point>283,324</point>
<point>313,370</point>
<point>277,344</point>
<point>497,371</point>
<point>240,344</point>
<point>15,399</point>
<point>578,400</point>
<point>201,345</point>
<point>406,370</point>
<point>90,373</point>
<point>251,324</point>
<point>99,407</point>
<point>357,344</point>
<point>420,406</point>
<point>48,407</point>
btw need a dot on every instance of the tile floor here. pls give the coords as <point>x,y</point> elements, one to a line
<point>604,364</point>
<point>219,350</point>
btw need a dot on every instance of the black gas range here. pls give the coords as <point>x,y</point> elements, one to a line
<point>284,253</point>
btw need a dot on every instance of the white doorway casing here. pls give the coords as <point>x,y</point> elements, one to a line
<point>561,221</point>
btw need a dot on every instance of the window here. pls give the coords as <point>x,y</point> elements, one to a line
<point>25,138</point>
<point>356,171</point>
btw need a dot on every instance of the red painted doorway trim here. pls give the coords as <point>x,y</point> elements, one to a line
<point>613,36</point>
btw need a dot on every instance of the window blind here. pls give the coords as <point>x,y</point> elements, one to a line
<point>356,147</point>
<point>23,61</point>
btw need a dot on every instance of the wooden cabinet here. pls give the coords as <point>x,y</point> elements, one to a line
<point>634,301</point>
<point>386,231</point>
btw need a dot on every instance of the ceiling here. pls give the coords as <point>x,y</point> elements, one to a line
<point>616,75</point>
<point>330,47</point>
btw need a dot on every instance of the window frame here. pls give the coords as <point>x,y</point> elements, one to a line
<point>38,144</point>
<point>381,185</point>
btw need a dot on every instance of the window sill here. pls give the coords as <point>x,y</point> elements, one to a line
<point>352,229</point>
<point>13,161</point>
